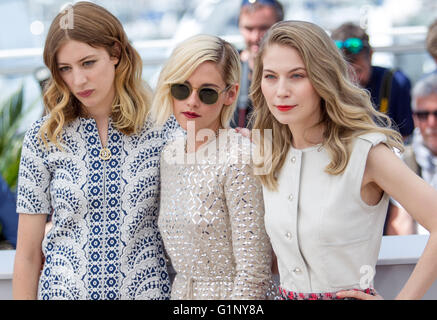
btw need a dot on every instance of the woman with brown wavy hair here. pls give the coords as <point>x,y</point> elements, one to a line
<point>333,169</point>
<point>93,164</point>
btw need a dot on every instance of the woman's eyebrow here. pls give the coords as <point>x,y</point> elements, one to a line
<point>82,59</point>
<point>292,70</point>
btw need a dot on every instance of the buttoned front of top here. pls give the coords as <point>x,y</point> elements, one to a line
<point>321,230</point>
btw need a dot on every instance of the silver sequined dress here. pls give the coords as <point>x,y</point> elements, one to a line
<point>212,222</point>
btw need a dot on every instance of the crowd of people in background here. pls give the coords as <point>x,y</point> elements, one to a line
<point>121,214</point>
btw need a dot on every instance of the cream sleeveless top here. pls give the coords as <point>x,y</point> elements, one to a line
<point>326,238</point>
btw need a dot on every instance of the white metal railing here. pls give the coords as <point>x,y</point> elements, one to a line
<point>164,46</point>
<point>6,271</point>
<point>168,43</point>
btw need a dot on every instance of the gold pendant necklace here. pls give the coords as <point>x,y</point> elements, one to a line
<point>105,154</point>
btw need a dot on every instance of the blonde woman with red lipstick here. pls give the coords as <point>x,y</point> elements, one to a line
<point>212,213</point>
<point>333,169</point>
<point>92,164</point>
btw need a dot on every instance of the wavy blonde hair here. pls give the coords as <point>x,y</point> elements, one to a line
<point>97,27</point>
<point>346,110</point>
<point>184,60</point>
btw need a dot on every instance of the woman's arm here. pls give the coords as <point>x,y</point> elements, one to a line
<point>419,199</point>
<point>251,245</point>
<point>28,256</point>
<point>399,222</point>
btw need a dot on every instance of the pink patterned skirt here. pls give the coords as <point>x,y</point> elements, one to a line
<point>290,295</point>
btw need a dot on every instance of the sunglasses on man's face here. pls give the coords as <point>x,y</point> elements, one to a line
<point>264,2</point>
<point>353,45</point>
<point>207,95</point>
<point>423,115</point>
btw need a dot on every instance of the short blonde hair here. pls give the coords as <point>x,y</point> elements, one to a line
<point>184,60</point>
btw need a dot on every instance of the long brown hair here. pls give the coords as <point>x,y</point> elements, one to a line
<point>346,110</point>
<point>97,27</point>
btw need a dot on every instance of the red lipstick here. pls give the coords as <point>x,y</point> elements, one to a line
<point>190,115</point>
<point>85,93</point>
<point>285,108</point>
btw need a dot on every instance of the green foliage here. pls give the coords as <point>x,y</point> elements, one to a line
<point>11,117</point>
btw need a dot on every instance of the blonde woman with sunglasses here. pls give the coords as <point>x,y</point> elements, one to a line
<point>212,212</point>
<point>333,169</point>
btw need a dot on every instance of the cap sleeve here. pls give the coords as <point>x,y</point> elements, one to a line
<point>33,190</point>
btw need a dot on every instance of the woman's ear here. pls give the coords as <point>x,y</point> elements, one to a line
<point>232,94</point>
<point>116,53</point>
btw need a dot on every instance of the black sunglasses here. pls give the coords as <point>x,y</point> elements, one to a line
<point>207,95</point>
<point>423,115</point>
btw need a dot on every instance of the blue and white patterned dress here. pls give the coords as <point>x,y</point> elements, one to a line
<point>104,243</point>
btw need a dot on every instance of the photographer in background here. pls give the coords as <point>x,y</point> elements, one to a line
<point>389,88</point>
<point>256,17</point>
